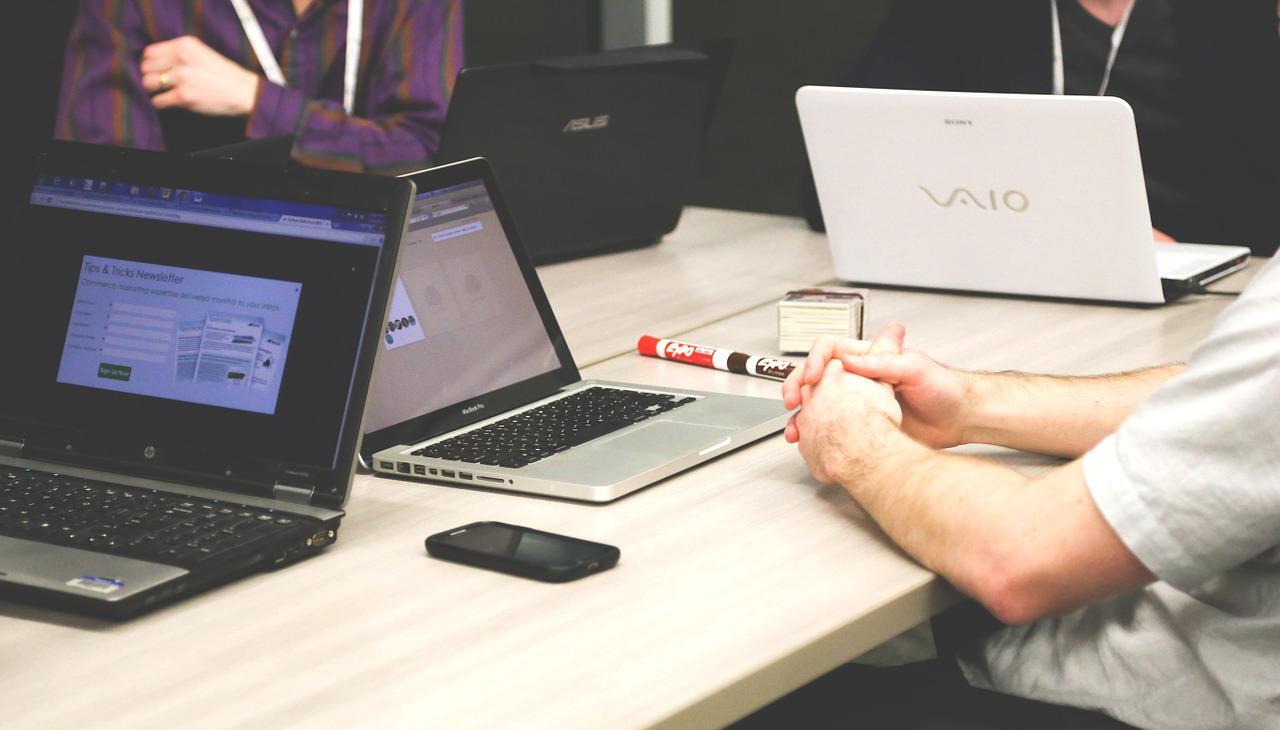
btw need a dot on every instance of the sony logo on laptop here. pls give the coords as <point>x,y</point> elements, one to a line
<point>586,124</point>
<point>1014,201</point>
<point>468,410</point>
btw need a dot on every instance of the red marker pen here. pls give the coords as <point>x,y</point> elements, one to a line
<point>716,357</point>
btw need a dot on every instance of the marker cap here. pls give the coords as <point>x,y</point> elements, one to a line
<point>648,345</point>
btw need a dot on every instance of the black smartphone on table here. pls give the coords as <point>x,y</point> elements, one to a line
<point>523,551</point>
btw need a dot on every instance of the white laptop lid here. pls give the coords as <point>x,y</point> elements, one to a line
<point>1020,194</point>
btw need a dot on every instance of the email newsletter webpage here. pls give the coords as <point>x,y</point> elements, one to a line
<point>461,320</point>
<point>229,321</point>
<point>178,333</point>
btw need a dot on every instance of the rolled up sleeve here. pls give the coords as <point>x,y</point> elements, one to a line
<point>402,105</point>
<point>1190,482</point>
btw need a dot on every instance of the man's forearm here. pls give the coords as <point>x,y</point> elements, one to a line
<point>1063,416</point>
<point>1013,543</point>
<point>935,506</point>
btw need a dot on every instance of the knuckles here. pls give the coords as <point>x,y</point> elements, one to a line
<point>186,43</point>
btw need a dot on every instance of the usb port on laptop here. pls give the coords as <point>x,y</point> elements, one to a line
<point>420,470</point>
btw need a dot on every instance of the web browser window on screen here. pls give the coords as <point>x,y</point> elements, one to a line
<point>461,321</point>
<point>213,320</point>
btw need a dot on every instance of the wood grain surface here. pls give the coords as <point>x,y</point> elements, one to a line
<point>739,580</point>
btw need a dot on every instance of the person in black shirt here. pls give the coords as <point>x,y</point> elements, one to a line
<point>1203,79</point>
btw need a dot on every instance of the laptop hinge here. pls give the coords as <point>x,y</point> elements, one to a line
<point>290,493</point>
<point>11,448</point>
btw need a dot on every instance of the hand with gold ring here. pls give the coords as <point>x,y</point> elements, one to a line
<point>184,73</point>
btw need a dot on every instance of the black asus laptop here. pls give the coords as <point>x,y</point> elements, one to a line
<point>190,348</point>
<point>595,152</point>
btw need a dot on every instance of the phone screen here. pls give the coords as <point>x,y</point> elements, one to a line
<point>523,545</point>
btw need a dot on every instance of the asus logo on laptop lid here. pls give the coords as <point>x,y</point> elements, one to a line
<point>586,124</point>
<point>1014,201</point>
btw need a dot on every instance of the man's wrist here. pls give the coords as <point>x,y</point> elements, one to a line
<point>249,102</point>
<point>978,419</point>
<point>878,438</point>
<point>254,119</point>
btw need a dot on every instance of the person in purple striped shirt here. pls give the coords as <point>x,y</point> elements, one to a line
<point>183,75</point>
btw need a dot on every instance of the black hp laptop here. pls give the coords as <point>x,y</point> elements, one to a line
<point>190,347</point>
<point>595,152</point>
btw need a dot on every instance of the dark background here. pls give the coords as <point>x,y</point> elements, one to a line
<point>754,156</point>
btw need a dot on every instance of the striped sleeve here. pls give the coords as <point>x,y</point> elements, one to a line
<point>102,99</point>
<point>404,96</point>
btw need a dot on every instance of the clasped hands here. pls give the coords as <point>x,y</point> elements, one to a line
<point>855,395</point>
<point>184,73</point>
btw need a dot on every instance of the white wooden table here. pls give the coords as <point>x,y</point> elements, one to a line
<point>739,580</point>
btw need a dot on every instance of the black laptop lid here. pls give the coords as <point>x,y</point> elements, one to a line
<point>595,152</point>
<point>197,320</point>
<point>469,331</point>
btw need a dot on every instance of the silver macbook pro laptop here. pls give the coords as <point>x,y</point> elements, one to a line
<point>190,347</point>
<point>475,384</point>
<point>1011,193</point>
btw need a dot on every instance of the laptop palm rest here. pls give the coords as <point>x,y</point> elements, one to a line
<point>79,572</point>
<point>661,445</point>
<point>667,437</point>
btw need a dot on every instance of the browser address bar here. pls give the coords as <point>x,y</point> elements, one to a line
<point>274,224</point>
<point>102,206</point>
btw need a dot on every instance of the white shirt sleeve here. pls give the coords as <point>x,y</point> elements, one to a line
<point>1191,481</point>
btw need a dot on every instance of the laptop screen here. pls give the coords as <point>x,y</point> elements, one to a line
<point>198,318</point>
<point>462,321</point>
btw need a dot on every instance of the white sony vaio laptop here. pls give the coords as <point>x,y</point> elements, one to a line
<point>475,385</point>
<point>1011,193</point>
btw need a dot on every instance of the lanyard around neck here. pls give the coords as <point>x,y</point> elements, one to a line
<point>1117,36</point>
<point>271,67</point>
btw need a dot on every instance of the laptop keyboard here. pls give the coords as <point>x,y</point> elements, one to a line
<point>547,430</point>
<point>129,521</point>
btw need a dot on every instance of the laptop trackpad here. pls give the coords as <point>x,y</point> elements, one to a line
<point>668,438</point>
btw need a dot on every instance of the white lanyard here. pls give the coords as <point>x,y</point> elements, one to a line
<point>1117,36</point>
<point>271,67</point>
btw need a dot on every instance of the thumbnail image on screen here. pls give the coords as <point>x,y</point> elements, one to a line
<point>182,334</point>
